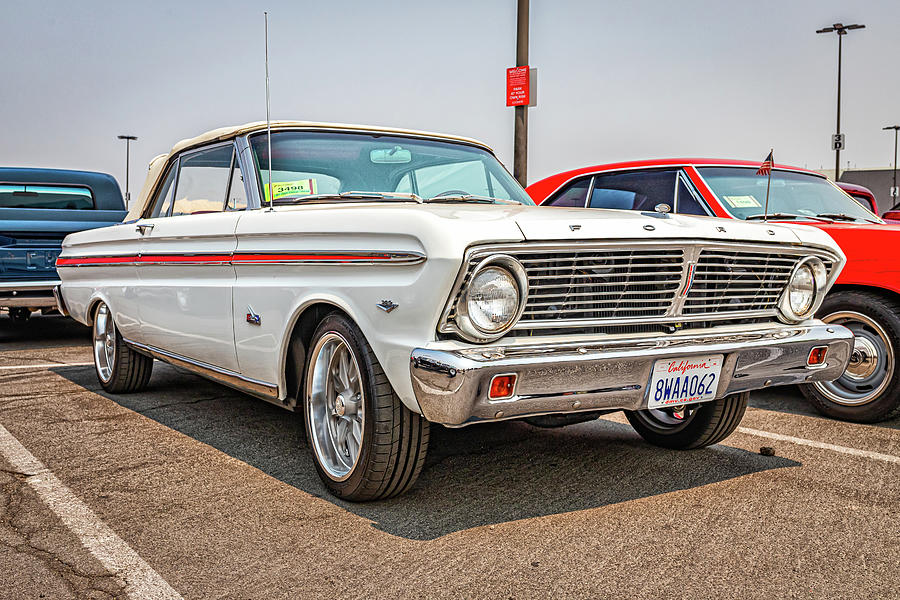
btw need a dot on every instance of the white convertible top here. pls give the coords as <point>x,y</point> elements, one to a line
<point>225,133</point>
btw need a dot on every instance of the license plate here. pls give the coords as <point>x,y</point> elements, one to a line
<point>684,380</point>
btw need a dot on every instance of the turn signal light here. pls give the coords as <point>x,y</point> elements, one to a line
<point>502,386</point>
<point>817,356</point>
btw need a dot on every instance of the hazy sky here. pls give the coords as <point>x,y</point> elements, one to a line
<point>617,80</point>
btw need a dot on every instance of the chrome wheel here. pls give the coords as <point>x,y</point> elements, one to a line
<point>104,343</point>
<point>669,419</point>
<point>871,362</point>
<point>335,406</point>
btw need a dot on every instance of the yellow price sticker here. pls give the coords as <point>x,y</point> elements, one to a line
<point>742,201</point>
<point>288,189</point>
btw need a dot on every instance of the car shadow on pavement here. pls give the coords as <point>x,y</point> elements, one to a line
<point>480,475</point>
<point>789,400</point>
<point>41,332</point>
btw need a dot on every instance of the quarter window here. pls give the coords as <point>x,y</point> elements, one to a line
<point>202,181</point>
<point>162,204</point>
<point>688,203</point>
<point>574,194</point>
<point>635,190</point>
<point>237,196</point>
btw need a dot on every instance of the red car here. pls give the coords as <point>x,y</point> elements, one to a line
<point>865,299</point>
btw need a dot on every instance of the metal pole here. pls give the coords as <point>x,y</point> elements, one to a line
<point>837,151</point>
<point>895,157</point>
<point>520,135</point>
<point>127,172</point>
<point>128,139</point>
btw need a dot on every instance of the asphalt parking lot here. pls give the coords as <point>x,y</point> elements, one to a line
<point>192,490</point>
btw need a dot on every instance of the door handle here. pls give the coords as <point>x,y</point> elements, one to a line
<point>144,228</point>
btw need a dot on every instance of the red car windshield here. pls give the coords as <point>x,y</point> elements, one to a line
<point>743,194</point>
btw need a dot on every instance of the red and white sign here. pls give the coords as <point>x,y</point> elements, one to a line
<point>518,90</point>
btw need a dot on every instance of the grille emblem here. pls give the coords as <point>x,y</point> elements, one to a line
<point>689,281</point>
<point>574,227</point>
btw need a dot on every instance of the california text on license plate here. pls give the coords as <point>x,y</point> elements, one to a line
<point>684,380</point>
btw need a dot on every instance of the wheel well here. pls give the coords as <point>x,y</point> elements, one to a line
<point>885,293</point>
<point>299,340</point>
<point>92,307</point>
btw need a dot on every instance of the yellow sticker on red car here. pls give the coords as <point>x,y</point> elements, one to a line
<point>742,202</point>
<point>290,189</point>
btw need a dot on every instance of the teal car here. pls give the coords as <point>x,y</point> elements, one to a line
<point>38,208</point>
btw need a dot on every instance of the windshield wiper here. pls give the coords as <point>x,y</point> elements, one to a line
<point>843,217</point>
<point>469,198</point>
<point>350,197</point>
<point>783,216</point>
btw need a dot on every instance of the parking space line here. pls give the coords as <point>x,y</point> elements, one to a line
<point>141,581</point>
<point>822,445</point>
<point>46,366</point>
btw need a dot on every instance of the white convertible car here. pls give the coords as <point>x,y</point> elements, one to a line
<point>389,279</point>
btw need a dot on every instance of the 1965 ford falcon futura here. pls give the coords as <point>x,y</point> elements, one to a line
<point>380,280</point>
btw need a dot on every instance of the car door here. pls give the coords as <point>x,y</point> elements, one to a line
<point>185,270</point>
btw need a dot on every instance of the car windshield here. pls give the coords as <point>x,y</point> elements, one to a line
<point>743,194</point>
<point>372,167</point>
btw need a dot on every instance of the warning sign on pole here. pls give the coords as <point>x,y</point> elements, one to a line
<point>517,86</point>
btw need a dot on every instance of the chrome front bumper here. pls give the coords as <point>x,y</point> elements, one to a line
<point>452,386</point>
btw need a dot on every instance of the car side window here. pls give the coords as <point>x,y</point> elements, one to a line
<point>237,195</point>
<point>202,181</point>
<point>574,194</point>
<point>162,204</point>
<point>634,190</point>
<point>688,202</point>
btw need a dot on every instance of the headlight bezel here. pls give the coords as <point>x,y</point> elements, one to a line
<point>820,283</point>
<point>465,325</point>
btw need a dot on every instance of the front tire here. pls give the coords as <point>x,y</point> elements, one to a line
<point>366,444</point>
<point>690,426</point>
<point>119,368</point>
<point>869,390</point>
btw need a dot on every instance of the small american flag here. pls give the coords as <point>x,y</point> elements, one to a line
<point>766,167</point>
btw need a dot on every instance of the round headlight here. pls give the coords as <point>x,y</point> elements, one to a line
<point>805,290</point>
<point>492,300</point>
<point>802,290</point>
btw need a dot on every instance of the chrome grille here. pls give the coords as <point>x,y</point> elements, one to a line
<point>598,287</point>
<point>734,280</point>
<point>601,284</point>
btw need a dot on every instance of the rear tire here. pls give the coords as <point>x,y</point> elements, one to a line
<point>869,390</point>
<point>119,369</point>
<point>695,426</point>
<point>366,444</point>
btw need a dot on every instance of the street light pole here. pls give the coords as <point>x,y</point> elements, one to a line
<point>128,139</point>
<point>520,133</point>
<point>894,190</point>
<point>841,30</point>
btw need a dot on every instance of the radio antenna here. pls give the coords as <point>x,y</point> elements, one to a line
<point>268,102</point>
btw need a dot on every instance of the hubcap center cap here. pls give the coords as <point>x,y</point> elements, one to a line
<point>863,359</point>
<point>339,406</point>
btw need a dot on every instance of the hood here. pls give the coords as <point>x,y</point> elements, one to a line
<point>556,223</point>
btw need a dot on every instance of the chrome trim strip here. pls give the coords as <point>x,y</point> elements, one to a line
<point>336,258</point>
<point>30,286</point>
<point>261,389</point>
